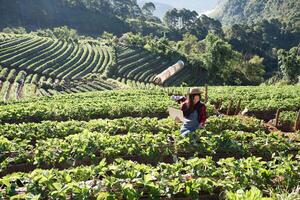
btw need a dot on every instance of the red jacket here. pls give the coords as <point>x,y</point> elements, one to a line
<point>200,107</point>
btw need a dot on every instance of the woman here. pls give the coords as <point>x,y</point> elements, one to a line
<point>194,112</point>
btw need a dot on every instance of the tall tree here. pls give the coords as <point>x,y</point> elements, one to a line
<point>289,63</point>
<point>171,18</point>
<point>180,19</point>
<point>148,8</point>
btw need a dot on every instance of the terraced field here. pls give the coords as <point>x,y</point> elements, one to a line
<point>141,66</point>
<point>32,65</point>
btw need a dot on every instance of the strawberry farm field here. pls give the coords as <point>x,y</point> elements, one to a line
<point>121,144</point>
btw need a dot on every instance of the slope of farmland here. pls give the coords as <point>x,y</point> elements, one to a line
<point>141,66</point>
<point>33,65</point>
<point>78,152</point>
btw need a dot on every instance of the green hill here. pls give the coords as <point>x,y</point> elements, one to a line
<point>88,17</point>
<point>249,11</point>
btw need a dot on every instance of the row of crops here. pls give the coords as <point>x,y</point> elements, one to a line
<point>55,58</point>
<point>120,145</point>
<point>35,66</point>
<point>142,66</point>
<point>261,102</point>
<point>16,85</point>
<point>72,143</point>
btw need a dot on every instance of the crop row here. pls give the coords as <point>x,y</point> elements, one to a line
<point>178,79</point>
<point>137,84</point>
<point>247,93</point>
<point>193,178</point>
<point>261,102</point>
<point>141,103</point>
<point>122,126</point>
<point>87,106</point>
<point>87,147</point>
<point>14,82</point>
<point>288,119</point>
<point>54,58</point>
<point>139,65</point>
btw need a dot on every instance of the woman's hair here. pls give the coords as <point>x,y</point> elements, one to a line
<point>190,104</point>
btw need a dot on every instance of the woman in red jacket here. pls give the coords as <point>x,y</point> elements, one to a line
<point>194,112</point>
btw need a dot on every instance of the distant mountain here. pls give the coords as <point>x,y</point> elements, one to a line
<point>161,8</point>
<point>251,11</point>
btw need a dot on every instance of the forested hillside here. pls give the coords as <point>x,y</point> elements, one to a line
<point>241,11</point>
<point>88,17</point>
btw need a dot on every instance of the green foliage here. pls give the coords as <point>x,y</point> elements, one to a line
<point>122,8</point>
<point>128,179</point>
<point>246,11</point>
<point>109,39</point>
<point>262,38</point>
<point>289,63</point>
<point>287,195</point>
<point>65,33</point>
<point>254,70</point>
<point>148,8</point>
<point>88,17</point>
<point>19,30</point>
<point>153,44</point>
<point>219,59</point>
<point>205,25</point>
<point>269,28</point>
<point>252,194</point>
<point>146,26</point>
<point>178,19</point>
<point>223,64</point>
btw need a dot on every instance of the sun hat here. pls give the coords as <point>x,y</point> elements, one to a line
<point>194,91</point>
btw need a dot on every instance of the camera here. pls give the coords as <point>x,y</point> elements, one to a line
<point>178,98</point>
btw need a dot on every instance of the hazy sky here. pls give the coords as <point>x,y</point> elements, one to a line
<point>200,6</point>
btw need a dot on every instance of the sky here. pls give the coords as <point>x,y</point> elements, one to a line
<point>201,6</point>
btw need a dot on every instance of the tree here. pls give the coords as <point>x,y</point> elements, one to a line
<point>289,63</point>
<point>189,44</point>
<point>19,30</point>
<point>253,70</point>
<point>188,18</point>
<point>65,33</point>
<point>148,8</point>
<point>180,19</point>
<point>134,40</point>
<point>171,18</point>
<point>110,38</point>
<point>219,59</point>
<point>126,8</point>
<point>204,25</point>
<point>261,38</point>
